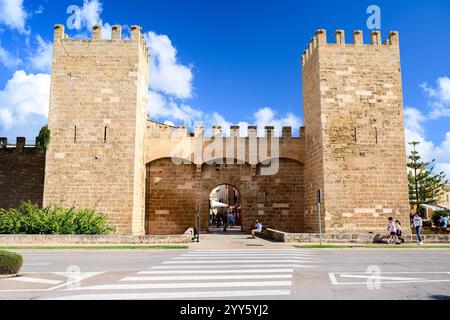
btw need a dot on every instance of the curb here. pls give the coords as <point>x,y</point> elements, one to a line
<point>6,276</point>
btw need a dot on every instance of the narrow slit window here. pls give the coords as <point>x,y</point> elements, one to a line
<point>104,135</point>
<point>354,135</point>
<point>75,134</point>
<point>376,135</point>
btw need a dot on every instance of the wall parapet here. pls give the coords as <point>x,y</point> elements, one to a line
<point>157,129</point>
<point>21,144</point>
<point>97,35</point>
<point>320,40</point>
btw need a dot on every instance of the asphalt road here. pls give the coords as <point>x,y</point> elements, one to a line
<point>238,274</point>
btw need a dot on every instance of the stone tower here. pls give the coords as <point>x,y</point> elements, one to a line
<point>355,141</point>
<point>97,117</point>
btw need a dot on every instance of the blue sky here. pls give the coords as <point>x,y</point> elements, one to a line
<point>229,61</point>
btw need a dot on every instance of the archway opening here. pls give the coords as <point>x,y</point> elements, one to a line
<point>224,210</point>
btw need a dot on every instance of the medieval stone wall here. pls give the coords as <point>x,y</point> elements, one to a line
<point>175,190</point>
<point>97,119</point>
<point>362,144</point>
<point>151,178</point>
<point>21,174</point>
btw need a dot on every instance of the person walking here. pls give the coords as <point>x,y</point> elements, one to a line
<point>231,219</point>
<point>398,226</point>
<point>225,221</point>
<point>418,223</point>
<point>392,231</point>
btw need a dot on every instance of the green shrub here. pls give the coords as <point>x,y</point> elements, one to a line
<point>10,262</point>
<point>437,215</point>
<point>31,219</point>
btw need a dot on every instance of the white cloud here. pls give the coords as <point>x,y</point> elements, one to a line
<point>268,117</point>
<point>7,59</point>
<point>13,15</point>
<point>41,58</point>
<point>439,98</point>
<point>415,131</point>
<point>167,109</point>
<point>167,75</point>
<point>6,118</point>
<point>24,95</point>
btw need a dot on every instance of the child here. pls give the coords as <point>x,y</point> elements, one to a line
<point>398,225</point>
<point>392,231</point>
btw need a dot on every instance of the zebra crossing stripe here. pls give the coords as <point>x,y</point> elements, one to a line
<point>214,277</point>
<point>225,258</point>
<point>247,255</point>
<point>234,261</point>
<point>177,295</point>
<point>218,271</point>
<point>186,285</point>
<point>262,266</point>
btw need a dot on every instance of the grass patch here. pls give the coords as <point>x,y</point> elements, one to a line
<point>371,246</point>
<point>131,247</point>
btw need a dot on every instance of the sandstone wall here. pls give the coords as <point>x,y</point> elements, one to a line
<point>21,174</point>
<point>175,190</point>
<point>97,118</point>
<point>362,147</point>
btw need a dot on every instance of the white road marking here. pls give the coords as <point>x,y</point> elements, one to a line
<point>34,280</point>
<point>332,278</point>
<point>247,255</point>
<point>224,257</point>
<point>398,272</point>
<point>376,277</point>
<point>74,281</point>
<point>61,284</point>
<point>385,279</point>
<point>186,285</point>
<point>176,295</point>
<point>248,251</point>
<point>218,271</point>
<point>221,277</point>
<point>235,261</point>
<point>290,265</point>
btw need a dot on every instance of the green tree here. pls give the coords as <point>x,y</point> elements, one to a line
<point>43,139</point>
<point>425,187</point>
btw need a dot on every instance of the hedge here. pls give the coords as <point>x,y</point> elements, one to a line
<point>31,219</point>
<point>10,262</point>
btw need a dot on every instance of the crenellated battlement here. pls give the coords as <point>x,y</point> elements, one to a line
<point>21,144</point>
<point>157,129</point>
<point>320,40</point>
<point>97,35</point>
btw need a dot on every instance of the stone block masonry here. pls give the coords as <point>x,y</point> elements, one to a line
<point>21,174</point>
<point>355,138</point>
<point>97,117</point>
<point>106,155</point>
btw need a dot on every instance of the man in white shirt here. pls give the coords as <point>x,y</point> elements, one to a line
<point>418,223</point>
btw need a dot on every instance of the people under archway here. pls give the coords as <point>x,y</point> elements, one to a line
<point>225,208</point>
